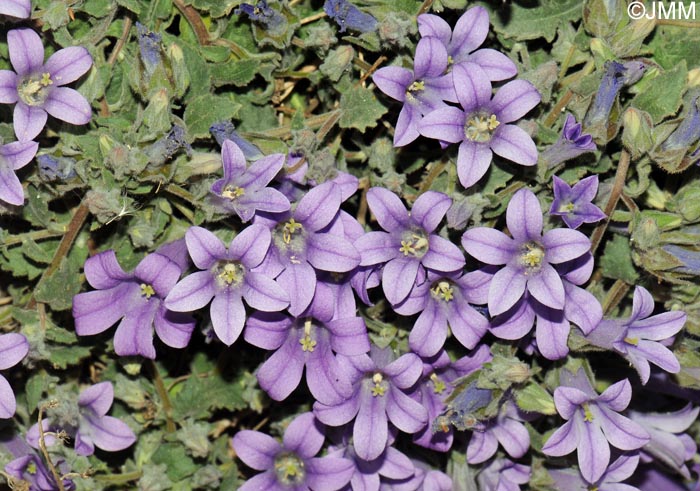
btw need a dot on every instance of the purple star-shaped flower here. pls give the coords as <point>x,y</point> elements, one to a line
<point>574,204</point>
<point>291,465</point>
<point>243,191</point>
<point>14,156</point>
<point>227,276</point>
<point>409,244</point>
<point>592,421</point>
<point>377,399</point>
<point>611,480</point>
<point>13,348</point>
<point>503,475</point>
<point>572,143</point>
<point>94,427</point>
<point>16,8</point>
<point>481,125</point>
<point>506,428</point>
<point>422,90</point>
<point>426,478</point>
<point>37,87</point>
<point>639,338</point>
<point>308,341</point>
<point>461,44</point>
<point>137,299</point>
<point>28,468</point>
<point>442,300</point>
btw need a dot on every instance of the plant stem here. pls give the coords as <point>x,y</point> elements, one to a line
<point>163,394</point>
<point>195,21</point>
<point>615,295</point>
<point>42,445</point>
<point>618,185</point>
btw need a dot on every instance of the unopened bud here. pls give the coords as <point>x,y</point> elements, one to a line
<point>518,373</point>
<point>636,132</point>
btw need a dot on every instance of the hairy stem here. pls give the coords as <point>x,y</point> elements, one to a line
<point>620,176</point>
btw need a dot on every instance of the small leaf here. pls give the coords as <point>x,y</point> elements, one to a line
<point>207,109</point>
<point>617,261</point>
<point>361,109</point>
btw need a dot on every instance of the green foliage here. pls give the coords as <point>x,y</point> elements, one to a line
<point>523,22</point>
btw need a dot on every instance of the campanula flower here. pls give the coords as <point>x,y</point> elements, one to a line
<point>28,468</point>
<point>506,428</point>
<point>572,143</point>
<point>573,204</point>
<point>611,480</point>
<point>225,130</point>
<point>348,16</point>
<point>150,48</point>
<point>13,348</point>
<point>13,157</point>
<point>503,475</point>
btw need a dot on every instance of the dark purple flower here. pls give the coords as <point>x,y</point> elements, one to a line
<point>611,480</point>
<point>378,398</point>
<point>164,148</point>
<point>56,168</point>
<point>592,421</point>
<point>94,428</point>
<point>13,157</point>
<point>29,470</point>
<point>150,48</point>
<point>225,130</point>
<point>308,341</point>
<point>243,190</point>
<point>263,14</point>
<point>422,90</point>
<point>572,143</point>
<point>574,204</point>
<point>639,338</point>
<point>506,428</point>
<point>291,465</point>
<point>442,300</point>
<point>503,475</point>
<point>13,348</point>
<point>349,17</point>
<point>227,276</point>
<point>687,133</point>
<point>16,8</point>
<point>137,299</point>
<point>461,44</point>
<point>37,87</point>
<point>481,124</point>
<point>409,244</point>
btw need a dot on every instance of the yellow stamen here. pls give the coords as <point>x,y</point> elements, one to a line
<point>587,414</point>
<point>379,389</point>
<point>307,343</point>
<point>147,291</point>
<point>438,385</point>
<point>532,256</point>
<point>416,86</point>
<point>632,341</point>
<point>289,229</point>
<point>443,290</point>
<point>416,245</point>
<point>480,128</point>
<point>232,193</point>
<point>46,79</point>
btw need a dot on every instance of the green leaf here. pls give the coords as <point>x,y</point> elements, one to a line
<point>671,45</point>
<point>207,109</point>
<point>179,464</point>
<point>513,20</point>
<point>361,109</point>
<point>662,95</point>
<point>133,5</point>
<point>199,395</point>
<point>65,356</point>
<point>617,262</point>
<point>237,72</point>
<point>58,289</point>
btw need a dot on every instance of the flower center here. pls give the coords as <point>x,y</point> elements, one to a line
<point>442,290</point>
<point>147,291</point>
<point>33,90</point>
<point>289,229</point>
<point>531,256</point>
<point>587,414</point>
<point>414,88</point>
<point>438,384</point>
<point>289,469</point>
<point>632,341</point>
<point>230,272</point>
<point>232,193</point>
<point>307,342</point>
<point>379,387</point>
<point>566,208</point>
<point>479,127</point>
<point>414,244</point>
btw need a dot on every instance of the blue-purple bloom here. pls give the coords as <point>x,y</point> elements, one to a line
<point>150,48</point>
<point>164,148</point>
<point>592,421</point>
<point>687,133</point>
<point>137,299</point>
<point>244,190</point>
<point>28,468</point>
<point>503,475</point>
<point>574,204</point>
<point>56,168</point>
<point>572,143</point>
<point>481,125</point>
<point>348,16</point>
<point>13,157</point>
<point>225,130</point>
<point>36,88</point>
<point>227,276</point>
<point>506,428</point>
<point>611,480</point>
<point>263,14</point>
<point>291,465</point>
<point>409,245</point>
<point>13,348</point>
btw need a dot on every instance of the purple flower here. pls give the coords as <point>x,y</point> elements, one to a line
<point>13,348</point>
<point>37,87</point>
<point>425,479</point>
<point>28,468</point>
<point>227,276</point>
<point>593,421</point>
<point>422,90</point>
<point>503,475</point>
<point>16,8</point>
<point>307,341</point>
<point>481,124</point>
<point>378,397</point>
<point>150,48</point>
<point>265,15</point>
<point>13,157</point>
<point>506,428</point>
<point>164,148</point>
<point>244,191</point>
<point>442,300</point>
<point>687,132</point>
<point>94,428</point>
<point>668,444</point>
<point>469,33</point>
<point>574,204</point>
<point>409,244</point>
<point>225,130</point>
<point>639,338</point>
<point>572,143</point>
<point>137,299</point>
<point>611,480</point>
<point>349,17</point>
<point>292,464</point>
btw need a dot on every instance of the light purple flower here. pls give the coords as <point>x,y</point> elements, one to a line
<point>409,244</point>
<point>461,44</point>
<point>481,125</point>
<point>639,338</point>
<point>378,398</point>
<point>572,143</point>
<point>503,475</point>
<point>29,468</point>
<point>243,191</point>
<point>37,87</point>
<point>422,90</point>
<point>137,299</point>
<point>593,423</point>
<point>13,348</point>
<point>425,478</point>
<point>506,428</point>
<point>21,9</point>
<point>292,464</point>
<point>13,157</point>
<point>227,276</point>
<point>442,300</point>
<point>307,341</point>
<point>611,480</point>
<point>574,204</point>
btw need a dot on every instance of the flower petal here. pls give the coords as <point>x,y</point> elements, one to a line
<point>263,293</point>
<point>593,451</point>
<point>110,434</point>
<point>466,324</point>
<point>257,450</point>
<point>495,64</point>
<point>371,429</point>
<point>473,161</point>
<point>489,245</point>
<point>404,371</point>
<point>429,332</point>
<point>319,206</point>
<point>13,348</point>
<point>281,373</point>
<point>482,445</point>
<point>28,121</point>
<point>513,143</point>
<point>514,100</point>
<point>26,51</point>
<point>68,105</point>
<point>303,436</point>
<point>376,247</point>
<point>390,212</point>
<point>472,85</point>
<point>331,253</point>
<point>405,413</point>
<point>471,30</point>
<point>398,278</point>
<point>103,270</point>
<point>173,328</point>
<point>8,87</point>
<point>204,247</point>
<point>621,432</point>
<point>524,216</point>
<point>329,473</point>
<point>445,123</point>
<point>96,311</point>
<point>393,81</point>
<point>18,154</point>
<point>547,287</point>
<point>11,190</point>
<point>407,125</point>
<point>442,255</point>
<point>429,209</point>
<point>68,64</point>
<point>192,292</point>
<point>233,160</point>
<point>134,334</point>
<point>98,398</point>
<point>552,332</point>
<point>250,245</point>
<point>299,280</point>
<point>563,441</point>
<point>507,287</point>
<point>227,315</point>
<point>8,404</point>
<point>562,245</point>
<point>430,59</point>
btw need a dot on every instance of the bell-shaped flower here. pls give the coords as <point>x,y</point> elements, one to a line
<point>506,428</point>
<point>28,468</point>
<point>573,204</point>
<point>572,143</point>
<point>503,475</point>
<point>611,480</point>
<point>13,348</point>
